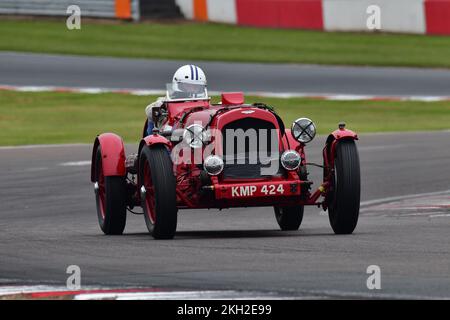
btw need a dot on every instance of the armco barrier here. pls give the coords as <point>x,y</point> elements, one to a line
<point>407,16</point>
<point>120,9</point>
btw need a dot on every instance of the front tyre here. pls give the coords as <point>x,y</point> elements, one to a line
<point>343,210</point>
<point>110,196</point>
<point>289,218</point>
<point>158,192</point>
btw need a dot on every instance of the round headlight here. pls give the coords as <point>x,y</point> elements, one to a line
<point>194,136</point>
<point>213,165</point>
<point>303,130</point>
<point>290,160</point>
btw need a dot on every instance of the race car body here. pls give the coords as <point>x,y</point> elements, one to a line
<point>223,155</point>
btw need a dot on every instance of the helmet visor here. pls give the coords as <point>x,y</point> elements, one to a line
<point>185,90</point>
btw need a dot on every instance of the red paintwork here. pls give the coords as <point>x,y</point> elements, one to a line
<point>236,114</point>
<point>329,155</point>
<point>113,153</point>
<point>437,16</point>
<point>176,109</point>
<point>219,193</point>
<point>156,139</point>
<point>232,98</point>
<point>153,139</point>
<point>301,14</point>
<point>344,133</point>
<point>304,14</point>
<point>333,139</point>
<point>291,142</point>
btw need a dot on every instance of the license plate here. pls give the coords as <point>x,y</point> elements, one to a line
<point>257,190</point>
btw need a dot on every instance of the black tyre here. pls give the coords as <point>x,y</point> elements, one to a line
<point>159,200</point>
<point>289,218</point>
<point>110,197</point>
<point>343,210</point>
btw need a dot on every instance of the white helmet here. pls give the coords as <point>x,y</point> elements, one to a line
<point>189,82</point>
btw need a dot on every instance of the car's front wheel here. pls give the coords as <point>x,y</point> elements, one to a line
<point>289,218</point>
<point>343,210</point>
<point>110,196</point>
<point>158,192</point>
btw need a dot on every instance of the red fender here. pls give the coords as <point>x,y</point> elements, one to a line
<point>290,142</point>
<point>344,134</point>
<point>113,155</point>
<point>332,140</point>
<point>154,139</point>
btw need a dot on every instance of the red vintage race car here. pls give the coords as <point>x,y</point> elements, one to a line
<point>229,154</point>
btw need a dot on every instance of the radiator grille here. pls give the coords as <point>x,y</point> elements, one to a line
<point>250,149</point>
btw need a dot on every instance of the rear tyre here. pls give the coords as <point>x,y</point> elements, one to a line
<point>159,199</point>
<point>110,198</point>
<point>289,218</point>
<point>343,210</point>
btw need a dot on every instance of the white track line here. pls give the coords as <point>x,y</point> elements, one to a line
<point>398,198</point>
<point>235,295</point>
<point>7,290</point>
<point>38,146</point>
<point>174,295</point>
<point>441,215</point>
<point>141,92</point>
<point>76,163</point>
<point>376,148</point>
<point>15,290</point>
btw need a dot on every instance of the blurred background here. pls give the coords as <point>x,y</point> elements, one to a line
<point>291,52</point>
<point>412,16</point>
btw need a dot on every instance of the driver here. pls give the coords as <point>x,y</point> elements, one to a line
<point>188,83</point>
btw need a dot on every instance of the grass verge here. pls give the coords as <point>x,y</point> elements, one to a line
<point>203,41</point>
<point>49,117</point>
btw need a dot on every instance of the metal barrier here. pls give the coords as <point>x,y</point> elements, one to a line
<point>122,9</point>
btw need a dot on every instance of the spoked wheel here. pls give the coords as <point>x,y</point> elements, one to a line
<point>343,210</point>
<point>289,218</point>
<point>110,196</point>
<point>158,192</point>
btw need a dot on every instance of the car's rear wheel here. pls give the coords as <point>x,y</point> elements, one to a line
<point>110,196</point>
<point>289,218</point>
<point>158,192</point>
<point>343,209</point>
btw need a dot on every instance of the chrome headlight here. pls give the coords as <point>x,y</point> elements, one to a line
<point>213,165</point>
<point>303,130</point>
<point>195,135</point>
<point>290,160</point>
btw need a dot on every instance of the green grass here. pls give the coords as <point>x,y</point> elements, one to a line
<point>47,118</point>
<point>201,41</point>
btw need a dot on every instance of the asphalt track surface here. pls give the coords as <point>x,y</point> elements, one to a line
<point>23,69</point>
<point>48,221</point>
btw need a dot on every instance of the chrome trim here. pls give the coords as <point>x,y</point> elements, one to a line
<point>143,192</point>
<point>303,128</point>
<point>221,164</point>
<point>284,156</point>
